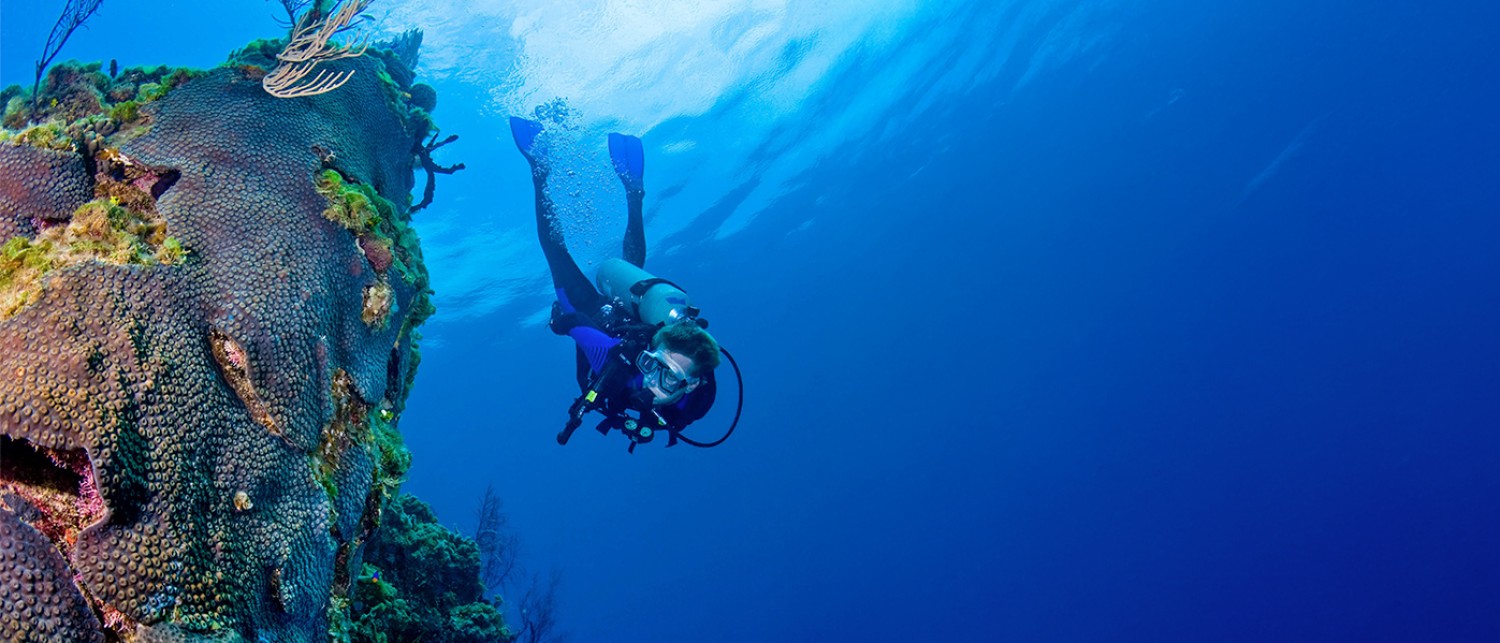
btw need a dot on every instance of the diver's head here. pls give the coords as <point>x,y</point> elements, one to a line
<point>681,355</point>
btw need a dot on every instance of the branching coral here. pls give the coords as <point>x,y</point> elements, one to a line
<point>424,156</point>
<point>309,46</point>
<point>73,16</point>
<point>348,205</point>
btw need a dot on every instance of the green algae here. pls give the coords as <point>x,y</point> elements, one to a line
<point>50,136</point>
<point>23,263</point>
<point>125,112</point>
<point>378,223</point>
<point>101,230</point>
<point>171,252</point>
<point>148,92</point>
<point>392,459</point>
<point>356,207</point>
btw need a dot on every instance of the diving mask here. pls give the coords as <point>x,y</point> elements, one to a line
<point>665,379</point>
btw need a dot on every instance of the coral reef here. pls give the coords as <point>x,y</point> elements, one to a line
<point>201,374</point>
<point>83,95</point>
<point>420,582</point>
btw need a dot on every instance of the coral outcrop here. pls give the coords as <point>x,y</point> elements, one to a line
<point>200,369</point>
<point>421,583</point>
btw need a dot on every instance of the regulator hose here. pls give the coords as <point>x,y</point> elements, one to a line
<point>738,406</point>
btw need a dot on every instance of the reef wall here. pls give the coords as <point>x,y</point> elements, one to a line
<point>208,304</point>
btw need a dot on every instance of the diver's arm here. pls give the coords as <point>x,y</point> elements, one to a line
<point>594,344</point>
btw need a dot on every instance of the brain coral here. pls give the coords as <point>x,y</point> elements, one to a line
<point>189,373</point>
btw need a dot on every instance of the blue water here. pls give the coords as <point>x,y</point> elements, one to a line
<point>1151,321</point>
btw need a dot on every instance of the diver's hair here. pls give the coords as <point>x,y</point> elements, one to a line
<point>690,340</point>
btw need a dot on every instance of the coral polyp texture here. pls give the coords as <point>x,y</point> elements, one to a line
<point>200,368</point>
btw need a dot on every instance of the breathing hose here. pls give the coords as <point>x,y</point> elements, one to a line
<point>738,406</point>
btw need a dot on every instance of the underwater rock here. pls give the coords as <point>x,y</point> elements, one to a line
<point>201,394</point>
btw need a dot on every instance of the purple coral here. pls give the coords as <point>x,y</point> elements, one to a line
<point>90,504</point>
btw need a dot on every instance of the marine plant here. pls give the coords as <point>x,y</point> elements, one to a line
<point>74,14</point>
<point>310,46</point>
<point>125,111</point>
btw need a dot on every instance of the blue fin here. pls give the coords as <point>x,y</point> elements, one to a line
<point>630,161</point>
<point>524,132</point>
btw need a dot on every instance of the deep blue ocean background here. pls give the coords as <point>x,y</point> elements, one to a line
<point>1094,321</point>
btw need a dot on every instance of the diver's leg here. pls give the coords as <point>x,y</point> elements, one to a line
<point>573,288</point>
<point>635,231</point>
<point>630,165</point>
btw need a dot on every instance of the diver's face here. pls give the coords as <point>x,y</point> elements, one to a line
<point>682,361</point>
<point>674,376</point>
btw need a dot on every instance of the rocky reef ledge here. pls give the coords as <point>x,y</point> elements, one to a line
<point>209,301</point>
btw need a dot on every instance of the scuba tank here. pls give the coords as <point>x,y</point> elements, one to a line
<point>652,300</point>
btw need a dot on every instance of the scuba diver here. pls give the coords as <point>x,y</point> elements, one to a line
<point>644,357</point>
